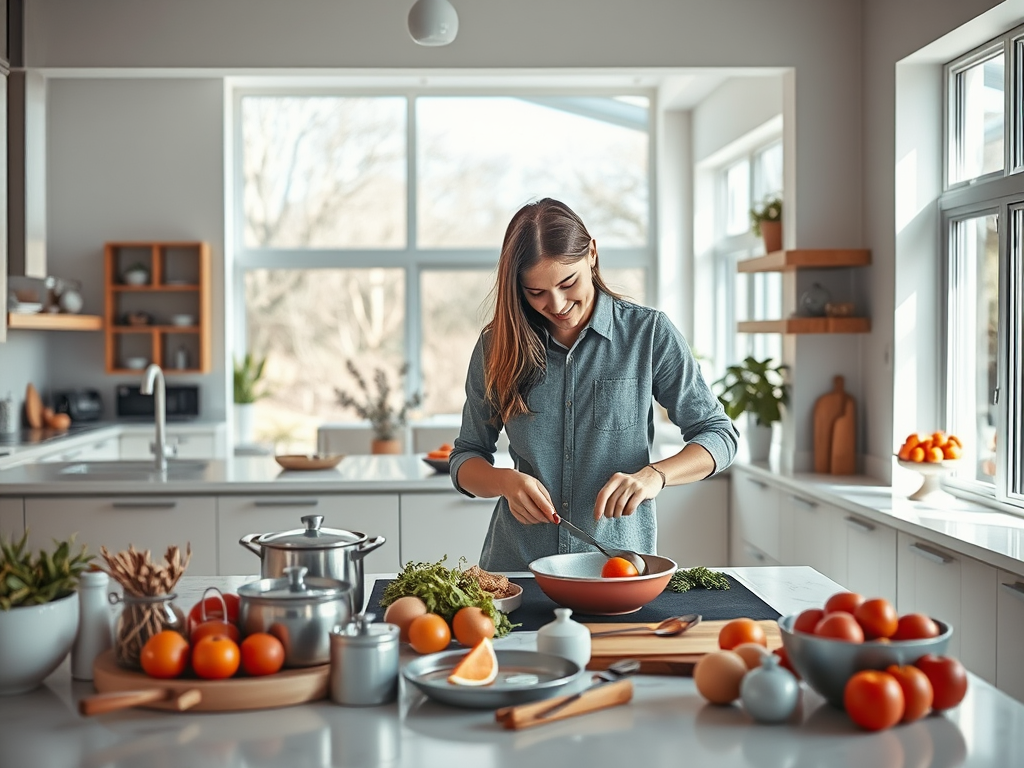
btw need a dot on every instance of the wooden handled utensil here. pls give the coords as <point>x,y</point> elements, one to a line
<point>109,702</point>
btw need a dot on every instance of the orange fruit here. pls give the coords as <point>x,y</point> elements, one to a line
<point>478,667</point>
<point>471,625</point>
<point>951,451</point>
<point>618,567</point>
<point>912,440</point>
<point>955,440</point>
<point>216,657</point>
<point>917,454</point>
<point>429,633</point>
<point>934,455</point>
<point>214,627</point>
<point>939,438</point>
<point>904,453</point>
<point>165,655</point>
<point>262,654</point>
<point>740,631</point>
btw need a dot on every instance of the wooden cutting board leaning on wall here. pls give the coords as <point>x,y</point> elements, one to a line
<point>835,449</point>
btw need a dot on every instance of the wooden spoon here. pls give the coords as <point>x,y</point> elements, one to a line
<point>109,702</point>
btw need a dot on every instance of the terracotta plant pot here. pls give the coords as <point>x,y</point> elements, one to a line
<point>771,232</point>
<point>386,446</point>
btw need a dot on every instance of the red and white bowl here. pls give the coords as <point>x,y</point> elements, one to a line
<point>574,580</point>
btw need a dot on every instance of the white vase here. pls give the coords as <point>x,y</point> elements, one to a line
<point>35,639</point>
<point>245,423</point>
<point>759,439</point>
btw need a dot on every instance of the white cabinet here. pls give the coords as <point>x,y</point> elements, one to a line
<point>868,556</point>
<point>370,514</point>
<point>754,507</point>
<point>189,444</point>
<point>439,524</point>
<point>104,449</point>
<point>1009,631</point>
<point>693,523</point>
<point>806,533</point>
<point>147,522</point>
<point>955,589</point>
<point>12,517</point>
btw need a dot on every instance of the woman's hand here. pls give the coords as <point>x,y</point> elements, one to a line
<point>622,494</point>
<point>528,500</point>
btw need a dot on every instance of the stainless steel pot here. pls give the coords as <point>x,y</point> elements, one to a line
<point>299,610</point>
<point>330,553</point>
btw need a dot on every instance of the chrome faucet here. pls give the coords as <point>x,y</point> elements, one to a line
<point>160,448</point>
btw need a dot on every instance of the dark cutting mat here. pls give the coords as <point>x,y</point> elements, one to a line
<point>538,609</point>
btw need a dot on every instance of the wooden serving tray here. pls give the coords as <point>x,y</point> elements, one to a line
<point>665,655</point>
<point>291,686</point>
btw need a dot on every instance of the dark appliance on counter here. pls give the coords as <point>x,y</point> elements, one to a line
<point>182,402</point>
<point>79,404</point>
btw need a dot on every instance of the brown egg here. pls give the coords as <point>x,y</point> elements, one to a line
<point>718,676</point>
<point>753,653</point>
<point>402,612</point>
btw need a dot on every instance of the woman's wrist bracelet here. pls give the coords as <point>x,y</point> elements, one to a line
<point>664,480</point>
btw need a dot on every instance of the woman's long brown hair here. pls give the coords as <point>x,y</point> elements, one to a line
<point>515,359</point>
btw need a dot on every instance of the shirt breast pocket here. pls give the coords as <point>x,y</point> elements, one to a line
<point>616,405</point>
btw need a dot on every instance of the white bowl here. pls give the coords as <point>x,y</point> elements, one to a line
<point>35,640</point>
<point>136,277</point>
<point>183,320</point>
<point>931,475</point>
<point>135,363</point>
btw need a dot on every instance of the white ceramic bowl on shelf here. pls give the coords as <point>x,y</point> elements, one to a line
<point>183,320</point>
<point>136,277</point>
<point>135,363</point>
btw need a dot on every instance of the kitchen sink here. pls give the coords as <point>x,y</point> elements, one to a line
<point>130,470</point>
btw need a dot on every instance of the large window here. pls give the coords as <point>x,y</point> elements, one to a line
<point>368,228</point>
<point>984,245</point>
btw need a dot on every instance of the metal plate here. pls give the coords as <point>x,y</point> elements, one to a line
<point>523,676</point>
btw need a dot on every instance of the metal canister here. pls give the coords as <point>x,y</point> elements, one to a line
<point>9,416</point>
<point>364,662</point>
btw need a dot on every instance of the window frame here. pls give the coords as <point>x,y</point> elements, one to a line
<point>412,258</point>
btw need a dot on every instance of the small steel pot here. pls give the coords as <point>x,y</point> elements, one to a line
<point>299,610</point>
<point>329,553</point>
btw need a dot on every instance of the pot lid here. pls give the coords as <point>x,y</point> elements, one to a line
<point>295,585</point>
<point>313,536</point>
<point>361,631</point>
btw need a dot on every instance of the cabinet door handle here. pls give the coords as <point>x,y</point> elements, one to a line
<point>860,525</point>
<point>759,483</point>
<point>756,554</point>
<point>1016,589</point>
<point>145,504</point>
<point>286,502</point>
<point>806,502</point>
<point>931,554</point>
<point>70,455</point>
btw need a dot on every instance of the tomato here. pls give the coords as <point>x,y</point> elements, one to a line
<point>948,678</point>
<point>917,691</point>
<point>808,620</point>
<point>429,633</point>
<point>215,657</point>
<point>784,661</point>
<point>213,609</point>
<point>874,699</point>
<point>843,601</point>
<point>617,568</point>
<point>840,626</point>
<point>165,655</point>
<point>877,618</point>
<point>915,626</point>
<point>739,631</point>
<point>214,627</point>
<point>262,654</point>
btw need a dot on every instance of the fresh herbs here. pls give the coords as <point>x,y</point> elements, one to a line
<point>683,579</point>
<point>445,591</point>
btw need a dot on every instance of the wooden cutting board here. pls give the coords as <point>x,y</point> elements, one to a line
<point>33,407</point>
<point>844,441</point>
<point>291,686</point>
<point>827,409</point>
<point>665,655</point>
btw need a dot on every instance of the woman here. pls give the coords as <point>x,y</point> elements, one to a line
<point>571,371</point>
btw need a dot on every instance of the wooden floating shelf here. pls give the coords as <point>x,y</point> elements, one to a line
<point>807,325</point>
<point>159,288</point>
<point>44,321</point>
<point>155,329</point>
<point>802,258</point>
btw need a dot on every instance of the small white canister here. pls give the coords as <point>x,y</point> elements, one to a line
<point>364,662</point>
<point>566,638</point>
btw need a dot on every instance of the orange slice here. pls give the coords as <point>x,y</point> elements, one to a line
<point>478,667</point>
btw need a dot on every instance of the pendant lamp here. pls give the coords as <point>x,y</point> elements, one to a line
<point>433,22</point>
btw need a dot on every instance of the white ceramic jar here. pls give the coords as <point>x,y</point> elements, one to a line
<point>566,638</point>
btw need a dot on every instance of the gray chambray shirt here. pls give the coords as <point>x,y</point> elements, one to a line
<point>592,415</point>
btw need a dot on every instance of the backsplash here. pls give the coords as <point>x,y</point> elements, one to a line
<point>23,360</point>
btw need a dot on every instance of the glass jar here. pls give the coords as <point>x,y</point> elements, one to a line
<point>141,618</point>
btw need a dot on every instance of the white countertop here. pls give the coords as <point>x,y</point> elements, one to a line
<point>667,723</point>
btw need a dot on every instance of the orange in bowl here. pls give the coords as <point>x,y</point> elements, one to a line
<point>574,581</point>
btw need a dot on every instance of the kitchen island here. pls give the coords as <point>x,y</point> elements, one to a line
<point>667,723</point>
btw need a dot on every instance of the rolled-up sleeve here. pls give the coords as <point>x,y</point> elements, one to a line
<point>478,435</point>
<point>680,387</point>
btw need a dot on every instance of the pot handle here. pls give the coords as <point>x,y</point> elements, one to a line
<point>367,547</point>
<point>246,541</point>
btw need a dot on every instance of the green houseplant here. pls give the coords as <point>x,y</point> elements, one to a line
<point>38,609</point>
<point>377,406</point>
<point>248,373</point>
<point>766,223</point>
<point>756,388</point>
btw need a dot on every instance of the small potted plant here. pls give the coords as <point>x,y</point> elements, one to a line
<point>756,388</point>
<point>377,407</point>
<point>137,274</point>
<point>38,610</point>
<point>247,375</point>
<point>766,223</point>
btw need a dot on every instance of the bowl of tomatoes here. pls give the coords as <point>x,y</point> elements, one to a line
<point>829,646</point>
<point>574,581</point>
